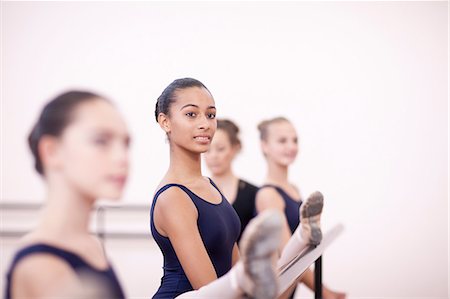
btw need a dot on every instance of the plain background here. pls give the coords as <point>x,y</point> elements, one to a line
<point>364,83</point>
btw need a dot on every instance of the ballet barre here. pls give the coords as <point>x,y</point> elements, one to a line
<point>20,216</point>
<point>289,273</point>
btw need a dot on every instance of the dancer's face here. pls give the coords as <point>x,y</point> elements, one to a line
<point>221,153</point>
<point>281,144</point>
<point>191,123</point>
<point>91,155</point>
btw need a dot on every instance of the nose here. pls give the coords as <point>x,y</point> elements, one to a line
<point>121,154</point>
<point>204,123</point>
<point>293,145</point>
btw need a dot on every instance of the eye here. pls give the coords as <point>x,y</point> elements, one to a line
<point>127,142</point>
<point>102,141</point>
<point>211,115</point>
<point>191,114</point>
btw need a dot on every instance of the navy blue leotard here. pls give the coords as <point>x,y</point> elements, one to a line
<point>291,207</point>
<point>219,228</point>
<point>108,277</point>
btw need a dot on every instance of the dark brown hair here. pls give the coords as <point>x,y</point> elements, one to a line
<point>231,129</point>
<point>54,118</point>
<point>168,96</point>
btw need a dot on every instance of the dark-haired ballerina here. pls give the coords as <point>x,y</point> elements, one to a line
<point>80,146</point>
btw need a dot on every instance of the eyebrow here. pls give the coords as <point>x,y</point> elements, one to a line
<point>109,133</point>
<point>192,105</point>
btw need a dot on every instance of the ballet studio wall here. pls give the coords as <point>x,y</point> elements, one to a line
<point>364,83</point>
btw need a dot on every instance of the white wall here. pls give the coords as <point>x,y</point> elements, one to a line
<point>366,84</point>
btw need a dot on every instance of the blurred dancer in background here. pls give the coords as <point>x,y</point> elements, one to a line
<point>80,148</point>
<point>225,146</point>
<point>279,144</point>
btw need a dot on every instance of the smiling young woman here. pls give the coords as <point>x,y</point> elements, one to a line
<point>279,143</point>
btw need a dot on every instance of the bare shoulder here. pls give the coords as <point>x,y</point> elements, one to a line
<point>40,275</point>
<point>268,193</point>
<point>269,198</point>
<point>173,199</point>
<point>174,211</point>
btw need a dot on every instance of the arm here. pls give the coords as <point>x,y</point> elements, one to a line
<point>268,198</point>
<point>175,216</point>
<point>235,257</point>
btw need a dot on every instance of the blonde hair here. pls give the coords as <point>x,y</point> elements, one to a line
<point>263,127</point>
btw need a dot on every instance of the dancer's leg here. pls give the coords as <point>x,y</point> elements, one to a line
<point>223,288</point>
<point>255,273</point>
<point>308,232</point>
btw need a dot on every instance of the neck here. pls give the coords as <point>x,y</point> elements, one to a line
<point>224,178</point>
<point>67,211</point>
<point>277,174</point>
<point>184,165</point>
<point>228,183</point>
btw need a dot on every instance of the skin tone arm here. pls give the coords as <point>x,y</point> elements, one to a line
<point>235,257</point>
<point>175,216</point>
<point>268,198</point>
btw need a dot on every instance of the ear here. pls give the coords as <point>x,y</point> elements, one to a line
<point>48,150</point>
<point>264,147</point>
<point>164,122</point>
<point>236,149</point>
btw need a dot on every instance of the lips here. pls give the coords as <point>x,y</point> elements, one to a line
<point>202,138</point>
<point>118,179</point>
<point>290,155</point>
<point>214,166</point>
